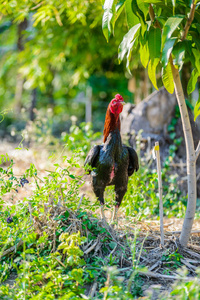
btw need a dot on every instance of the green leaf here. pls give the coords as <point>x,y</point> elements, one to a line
<point>167,78</point>
<point>153,1</point>
<point>118,10</point>
<point>109,10</point>
<point>144,54</point>
<point>192,82</point>
<point>6,25</point>
<point>195,39</point>
<point>197,59</point>
<point>174,5</point>
<point>126,43</point>
<point>112,245</point>
<point>128,57</point>
<point>152,71</point>
<point>197,108</point>
<point>154,42</point>
<point>66,214</point>
<point>167,50</point>
<point>139,13</point>
<point>170,25</point>
<point>197,26</point>
<point>179,54</point>
<point>132,19</point>
<point>144,7</point>
<point>72,176</point>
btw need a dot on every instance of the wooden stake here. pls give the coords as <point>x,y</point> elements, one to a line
<point>157,151</point>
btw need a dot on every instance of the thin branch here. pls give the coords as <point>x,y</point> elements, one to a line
<point>169,277</point>
<point>197,152</point>
<point>60,262</point>
<point>12,249</point>
<point>62,196</point>
<point>152,17</point>
<point>158,263</point>
<point>179,231</point>
<point>30,210</point>
<point>190,266</point>
<point>189,20</point>
<point>160,190</point>
<point>151,12</point>
<point>80,201</point>
<point>192,253</point>
<point>38,5</point>
<point>92,247</point>
<point>187,25</point>
<point>93,290</point>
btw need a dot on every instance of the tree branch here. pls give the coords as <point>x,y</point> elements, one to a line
<point>152,17</point>
<point>151,12</point>
<point>197,152</point>
<point>189,20</point>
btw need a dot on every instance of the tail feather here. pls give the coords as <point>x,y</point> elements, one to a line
<point>133,161</point>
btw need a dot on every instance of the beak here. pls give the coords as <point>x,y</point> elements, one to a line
<point>123,103</point>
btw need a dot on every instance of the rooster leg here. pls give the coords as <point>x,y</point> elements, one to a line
<point>115,211</point>
<point>99,191</point>
<point>120,192</point>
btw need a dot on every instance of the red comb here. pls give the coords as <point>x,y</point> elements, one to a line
<point>118,97</point>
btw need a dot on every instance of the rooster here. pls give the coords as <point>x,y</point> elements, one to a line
<point>112,162</point>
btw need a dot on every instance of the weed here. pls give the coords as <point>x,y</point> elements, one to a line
<point>53,265</point>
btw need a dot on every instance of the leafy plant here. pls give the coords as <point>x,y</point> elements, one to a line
<point>161,33</point>
<point>79,138</point>
<point>70,246</point>
<point>172,260</point>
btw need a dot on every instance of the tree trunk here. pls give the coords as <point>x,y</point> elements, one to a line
<point>185,76</point>
<point>18,94</point>
<point>88,105</point>
<point>33,104</point>
<point>20,81</point>
<point>191,159</point>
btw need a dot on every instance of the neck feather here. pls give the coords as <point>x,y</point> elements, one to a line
<point>112,122</point>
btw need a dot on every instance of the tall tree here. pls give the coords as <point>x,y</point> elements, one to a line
<point>165,34</point>
<point>21,27</point>
<point>63,48</point>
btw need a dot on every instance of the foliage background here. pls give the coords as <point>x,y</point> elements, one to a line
<point>52,54</point>
<point>57,50</point>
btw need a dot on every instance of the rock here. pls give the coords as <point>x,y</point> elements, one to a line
<point>152,116</point>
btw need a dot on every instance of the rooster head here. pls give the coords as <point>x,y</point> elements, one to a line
<point>116,104</point>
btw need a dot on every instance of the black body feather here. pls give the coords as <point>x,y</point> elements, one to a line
<point>112,163</point>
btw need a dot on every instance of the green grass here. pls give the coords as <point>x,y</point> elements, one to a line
<point>49,262</point>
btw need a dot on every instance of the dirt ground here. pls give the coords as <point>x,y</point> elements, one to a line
<point>148,230</point>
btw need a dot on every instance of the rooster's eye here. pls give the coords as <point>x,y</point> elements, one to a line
<point>114,102</point>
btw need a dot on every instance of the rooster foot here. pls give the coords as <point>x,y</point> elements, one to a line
<point>114,216</point>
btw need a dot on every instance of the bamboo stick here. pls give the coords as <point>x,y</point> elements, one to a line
<point>160,190</point>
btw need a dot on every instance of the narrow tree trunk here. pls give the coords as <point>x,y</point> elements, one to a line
<point>18,94</point>
<point>191,160</point>
<point>33,104</point>
<point>20,81</point>
<point>88,105</point>
<point>160,190</point>
<point>185,76</point>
